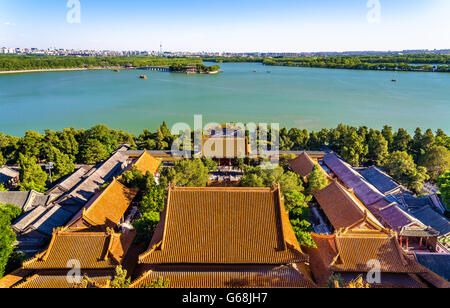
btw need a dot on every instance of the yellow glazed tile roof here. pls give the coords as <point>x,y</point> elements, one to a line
<point>224,226</point>
<point>107,208</point>
<point>103,250</point>
<point>228,277</point>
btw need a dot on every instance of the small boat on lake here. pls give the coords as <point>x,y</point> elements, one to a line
<point>255,71</point>
<point>116,70</point>
<point>394,80</point>
<point>143,76</point>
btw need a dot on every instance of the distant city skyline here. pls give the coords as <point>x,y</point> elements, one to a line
<point>231,26</point>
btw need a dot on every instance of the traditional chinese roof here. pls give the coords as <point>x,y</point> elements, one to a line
<point>351,250</point>
<point>10,280</point>
<point>106,208</point>
<point>26,200</point>
<point>102,250</point>
<point>383,182</point>
<point>59,280</point>
<point>245,276</point>
<point>302,164</point>
<point>7,173</point>
<point>365,192</point>
<point>224,226</point>
<point>224,147</point>
<point>343,209</point>
<point>147,163</point>
<point>438,263</point>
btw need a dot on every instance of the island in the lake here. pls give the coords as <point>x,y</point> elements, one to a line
<point>194,69</point>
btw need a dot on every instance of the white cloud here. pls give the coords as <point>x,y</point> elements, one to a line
<point>7,23</point>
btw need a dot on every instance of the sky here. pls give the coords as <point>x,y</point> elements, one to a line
<point>227,26</point>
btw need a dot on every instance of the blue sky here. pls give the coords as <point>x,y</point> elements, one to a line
<point>216,25</point>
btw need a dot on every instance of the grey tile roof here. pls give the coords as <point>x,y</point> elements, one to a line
<point>7,173</point>
<point>26,200</point>
<point>18,198</point>
<point>383,182</point>
<point>438,263</point>
<point>382,207</point>
<point>431,218</point>
<point>366,192</point>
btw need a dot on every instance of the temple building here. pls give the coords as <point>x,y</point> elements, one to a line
<point>351,253</point>
<point>225,143</point>
<point>344,210</point>
<point>225,237</point>
<point>97,254</point>
<point>385,208</point>
<point>302,165</point>
<point>99,236</point>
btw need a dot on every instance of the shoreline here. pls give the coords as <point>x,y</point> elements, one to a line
<point>57,70</point>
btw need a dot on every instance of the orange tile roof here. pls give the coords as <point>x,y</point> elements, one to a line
<point>58,280</point>
<point>189,277</point>
<point>147,163</point>
<point>107,208</point>
<point>10,280</point>
<point>224,226</point>
<point>302,164</point>
<point>343,209</point>
<point>94,250</point>
<point>351,250</point>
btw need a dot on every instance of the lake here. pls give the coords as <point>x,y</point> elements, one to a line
<point>309,98</point>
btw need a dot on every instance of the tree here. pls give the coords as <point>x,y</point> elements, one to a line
<point>8,213</point>
<point>444,187</point>
<point>388,135</point>
<point>159,283</point>
<point>120,281</point>
<point>210,164</point>
<point>93,151</point>
<point>298,202</point>
<point>436,160</point>
<point>145,226</point>
<point>31,144</point>
<point>64,164</point>
<point>401,166</point>
<point>186,173</point>
<point>31,175</point>
<point>317,180</point>
<point>153,200</point>
<point>2,159</point>
<point>354,149</point>
<point>378,147</point>
<point>401,141</point>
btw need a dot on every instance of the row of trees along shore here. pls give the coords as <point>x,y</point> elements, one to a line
<point>410,159</point>
<point>34,62</point>
<point>419,62</point>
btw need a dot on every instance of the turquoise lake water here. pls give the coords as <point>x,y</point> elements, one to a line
<point>303,97</point>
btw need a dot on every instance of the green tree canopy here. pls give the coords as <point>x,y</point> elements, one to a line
<point>401,166</point>
<point>437,161</point>
<point>317,180</point>
<point>186,173</point>
<point>444,187</point>
<point>8,213</point>
<point>31,175</point>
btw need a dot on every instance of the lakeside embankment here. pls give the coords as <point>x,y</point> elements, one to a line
<point>53,70</point>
